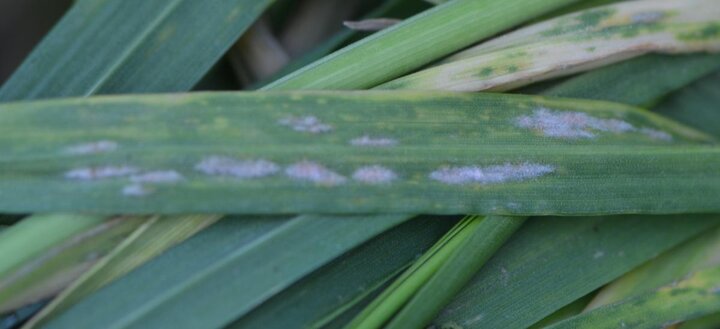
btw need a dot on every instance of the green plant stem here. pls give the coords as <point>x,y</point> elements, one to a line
<point>402,290</point>
<point>32,236</point>
<point>414,42</point>
<point>485,239</point>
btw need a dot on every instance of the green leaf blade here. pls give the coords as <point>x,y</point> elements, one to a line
<point>218,159</point>
<point>530,274</point>
<point>234,272</point>
<point>147,51</point>
<point>690,298</point>
<point>413,43</point>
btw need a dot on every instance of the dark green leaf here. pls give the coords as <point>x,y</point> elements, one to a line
<point>131,46</point>
<point>342,284</point>
<point>222,273</point>
<point>641,81</point>
<point>551,262</point>
<point>696,104</point>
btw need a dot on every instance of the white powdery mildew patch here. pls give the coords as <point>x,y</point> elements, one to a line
<point>374,175</point>
<point>138,187</point>
<point>647,17</point>
<point>314,172</point>
<point>93,147</point>
<point>93,173</point>
<point>225,166</point>
<point>566,124</point>
<point>367,141</point>
<point>160,176</point>
<point>308,123</point>
<point>656,134</point>
<point>491,174</point>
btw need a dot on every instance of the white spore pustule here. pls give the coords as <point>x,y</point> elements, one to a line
<point>567,124</point>
<point>575,125</point>
<point>490,174</point>
<point>244,169</point>
<point>101,172</point>
<point>656,134</point>
<point>309,123</point>
<point>102,146</point>
<point>647,17</point>
<point>314,172</point>
<point>368,141</point>
<point>374,174</point>
<point>159,176</point>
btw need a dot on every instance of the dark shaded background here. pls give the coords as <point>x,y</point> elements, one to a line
<point>23,23</point>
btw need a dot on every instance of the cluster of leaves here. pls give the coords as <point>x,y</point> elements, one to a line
<point>327,188</point>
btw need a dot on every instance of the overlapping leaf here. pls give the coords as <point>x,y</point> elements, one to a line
<point>146,242</point>
<point>575,43</point>
<point>689,298</point>
<point>131,46</point>
<point>318,153</point>
<point>551,262</point>
<point>334,291</point>
<point>413,43</point>
<point>227,263</point>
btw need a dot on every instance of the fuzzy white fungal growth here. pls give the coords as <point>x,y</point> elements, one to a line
<point>245,169</point>
<point>566,124</point>
<point>367,141</point>
<point>598,254</point>
<point>93,173</point>
<point>491,174</point>
<point>309,124</point>
<point>160,176</point>
<point>647,17</point>
<point>92,148</point>
<point>135,190</point>
<point>374,175</point>
<point>314,172</point>
<point>656,134</point>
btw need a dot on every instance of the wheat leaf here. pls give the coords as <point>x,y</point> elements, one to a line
<point>131,46</point>
<point>224,272</point>
<point>413,43</point>
<point>575,43</point>
<point>50,271</point>
<point>696,104</point>
<point>327,294</point>
<point>551,262</point>
<point>689,298</point>
<point>146,242</point>
<point>316,152</point>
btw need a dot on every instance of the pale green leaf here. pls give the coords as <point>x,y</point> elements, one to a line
<point>47,273</point>
<point>692,297</point>
<point>574,43</point>
<point>700,253</point>
<point>30,238</point>
<point>146,242</point>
